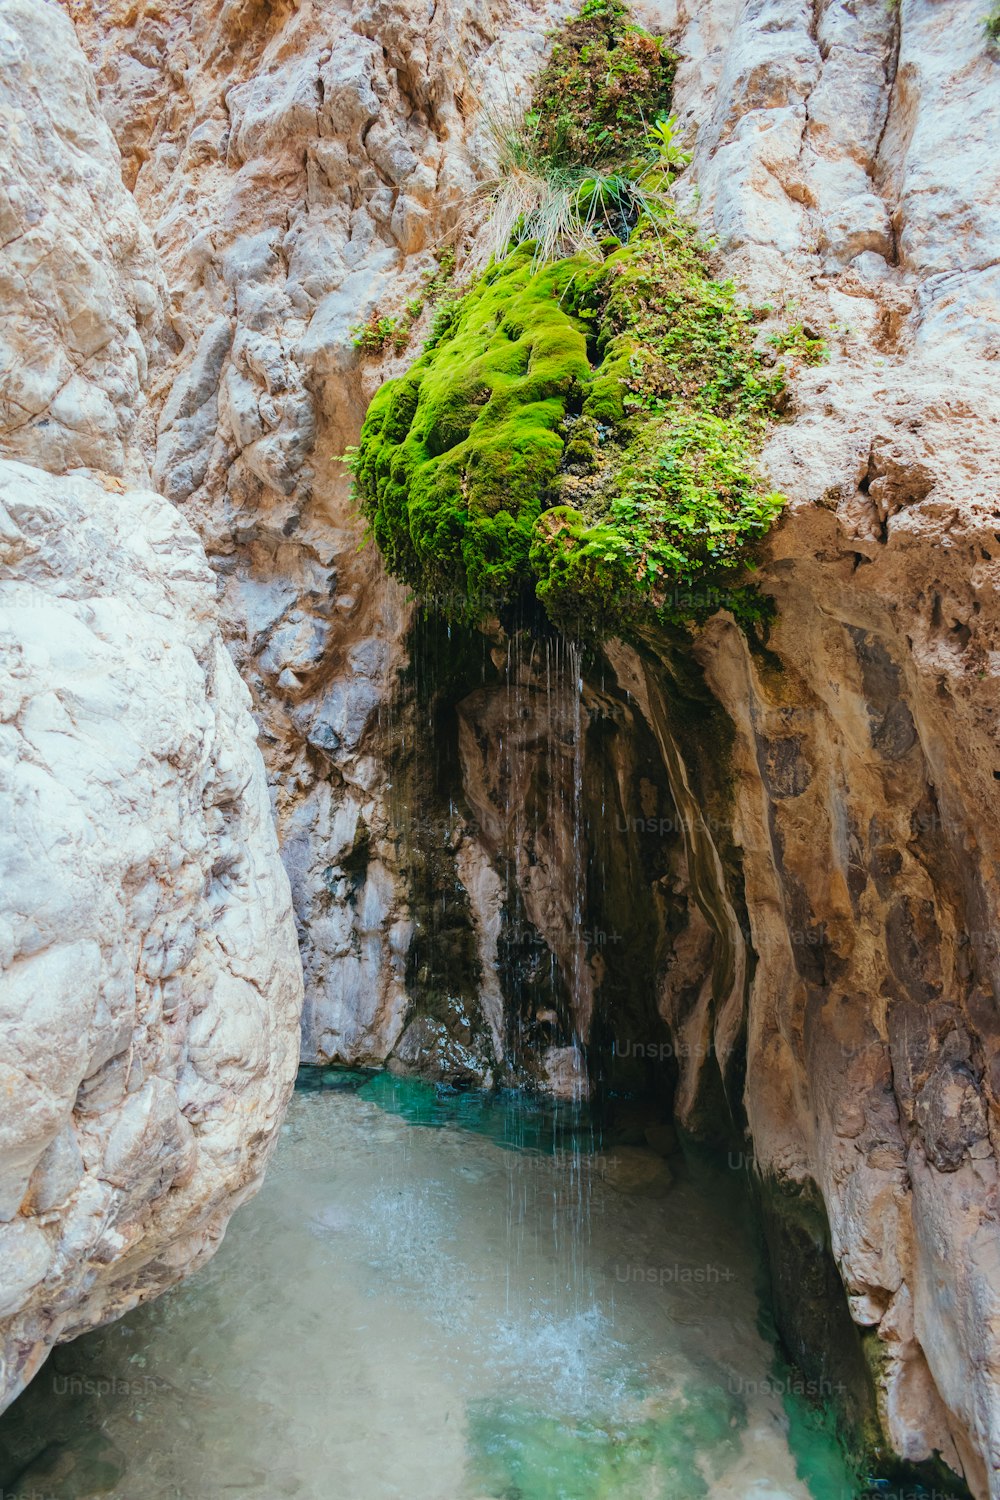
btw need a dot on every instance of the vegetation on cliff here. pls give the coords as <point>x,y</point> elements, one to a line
<point>582,426</point>
<point>607,80</point>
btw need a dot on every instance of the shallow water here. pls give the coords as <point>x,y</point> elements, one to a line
<point>441,1298</point>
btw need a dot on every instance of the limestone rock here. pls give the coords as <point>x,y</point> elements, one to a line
<point>149,981</point>
<point>80,285</point>
<point>300,166</point>
<point>843,164</point>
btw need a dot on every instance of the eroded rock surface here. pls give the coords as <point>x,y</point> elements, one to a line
<point>150,984</point>
<point>843,165</point>
<point>80,285</point>
<point>301,167</point>
<point>149,980</point>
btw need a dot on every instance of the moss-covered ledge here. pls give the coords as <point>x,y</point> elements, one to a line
<point>585,430</point>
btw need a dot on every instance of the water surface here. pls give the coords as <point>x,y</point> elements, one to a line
<point>441,1297</point>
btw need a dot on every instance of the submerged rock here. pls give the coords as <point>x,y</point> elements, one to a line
<point>634,1171</point>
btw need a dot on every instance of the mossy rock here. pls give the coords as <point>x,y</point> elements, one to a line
<point>587,430</point>
<point>458,458</point>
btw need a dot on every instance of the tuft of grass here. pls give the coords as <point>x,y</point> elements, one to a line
<point>596,152</point>
<point>992,23</point>
<point>571,210</point>
<point>565,210</point>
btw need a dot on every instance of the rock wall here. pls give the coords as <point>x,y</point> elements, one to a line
<point>539,921</point>
<point>81,288</point>
<point>843,164</point>
<point>150,985</point>
<point>300,166</point>
<point>150,990</point>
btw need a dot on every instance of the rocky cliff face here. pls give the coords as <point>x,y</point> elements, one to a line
<point>300,166</point>
<point>796,897</point>
<point>845,165</point>
<point>149,981</point>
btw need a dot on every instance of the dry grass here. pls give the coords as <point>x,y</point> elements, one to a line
<point>564,210</point>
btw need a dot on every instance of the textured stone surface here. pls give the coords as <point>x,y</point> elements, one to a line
<point>80,285</point>
<point>150,984</point>
<point>299,166</point>
<point>845,169</point>
<point>149,979</point>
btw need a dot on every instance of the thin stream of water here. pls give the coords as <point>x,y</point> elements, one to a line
<point>440,1297</point>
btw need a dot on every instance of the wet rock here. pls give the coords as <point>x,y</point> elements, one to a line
<point>636,1172</point>
<point>662,1139</point>
<point>786,772</point>
<point>441,1050</point>
<point>950,1115</point>
<point>565,1073</point>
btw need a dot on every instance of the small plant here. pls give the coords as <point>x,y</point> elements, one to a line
<point>380,332</point>
<point>803,345</point>
<point>444,320</point>
<point>663,140</point>
<point>992,23</point>
<point>436,281</point>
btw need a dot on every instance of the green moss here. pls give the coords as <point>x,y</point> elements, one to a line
<point>607,81</point>
<point>587,430</point>
<point>459,457</point>
<point>584,428</point>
